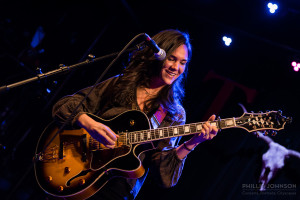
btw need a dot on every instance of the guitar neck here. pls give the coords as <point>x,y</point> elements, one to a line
<point>269,121</point>
<point>175,131</point>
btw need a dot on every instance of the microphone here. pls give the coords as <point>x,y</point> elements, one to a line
<point>159,53</point>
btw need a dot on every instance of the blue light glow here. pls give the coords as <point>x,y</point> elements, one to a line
<point>272,7</point>
<point>227,40</point>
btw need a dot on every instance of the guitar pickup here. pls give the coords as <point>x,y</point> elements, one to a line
<point>77,142</point>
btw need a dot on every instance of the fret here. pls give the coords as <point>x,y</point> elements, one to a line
<point>168,130</point>
<point>138,136</point>
<point>94,144</point>
<point>148,135</point>
<point>142,136</point>
<point>228,123</point>
<point>165,132</point>
<point>171,131</point>
<point>181,130</point>
<point>214,123</point>
<point>161,135</point>
<point>187,129</point>
<point>193,128</point>
<point>152,133</point>
<point>156,133</point>
<point>175,131</point>
<point>198,127</point>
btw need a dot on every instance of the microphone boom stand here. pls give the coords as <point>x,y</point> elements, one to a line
<point>63,69</point>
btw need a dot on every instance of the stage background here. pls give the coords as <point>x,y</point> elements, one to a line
<point>257,63</point>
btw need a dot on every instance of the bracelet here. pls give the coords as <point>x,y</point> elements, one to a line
<point>184,145</point>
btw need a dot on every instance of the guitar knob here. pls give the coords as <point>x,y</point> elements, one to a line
<point>49,179</point>
<point>60,189</point>
<point>81,181</point>
<point>67,170</point>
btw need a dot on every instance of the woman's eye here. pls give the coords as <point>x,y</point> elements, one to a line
<point>171,59</point>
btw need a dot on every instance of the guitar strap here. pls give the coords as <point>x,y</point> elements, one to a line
<point>155,120</point>
<point>158,117</point>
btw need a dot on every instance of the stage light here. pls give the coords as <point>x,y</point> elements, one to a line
<point>272,7</point>
<point>296,69</point>
<point>296,66</point>
<point>227,40</point>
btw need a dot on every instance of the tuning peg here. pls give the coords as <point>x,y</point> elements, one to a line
<point>274,133</point>
<point>279,112</point>
<point>289,120</point>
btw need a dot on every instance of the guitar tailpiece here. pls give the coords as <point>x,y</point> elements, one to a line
<point>38,157</point>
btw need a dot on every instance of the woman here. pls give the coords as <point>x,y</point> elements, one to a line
<point>146,84</point>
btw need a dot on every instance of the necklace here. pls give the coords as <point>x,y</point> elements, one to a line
<point>148,93</point>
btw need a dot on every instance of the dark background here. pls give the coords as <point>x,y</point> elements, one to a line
<point>259,60</point>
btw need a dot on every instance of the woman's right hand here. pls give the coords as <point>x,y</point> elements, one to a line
<point>98,131</point>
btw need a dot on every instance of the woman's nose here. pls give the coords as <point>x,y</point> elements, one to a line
<point>175,66</point>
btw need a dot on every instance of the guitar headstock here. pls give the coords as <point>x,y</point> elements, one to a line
<point>269,121</point>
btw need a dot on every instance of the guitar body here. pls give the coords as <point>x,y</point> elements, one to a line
<point>72,165</point>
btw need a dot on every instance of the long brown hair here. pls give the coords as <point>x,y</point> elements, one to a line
<point>143,66</point>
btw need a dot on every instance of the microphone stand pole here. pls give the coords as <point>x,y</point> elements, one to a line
<point>63,69</point>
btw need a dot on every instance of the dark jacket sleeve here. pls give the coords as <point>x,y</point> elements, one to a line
<point>166,167</point>
<point>63,109</point>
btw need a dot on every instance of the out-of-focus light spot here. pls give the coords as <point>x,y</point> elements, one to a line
<point>296,66</point>
<point>48,90</point>
<point>227,40</point>
<point>38,37</point>
<point>272,7</point>
<point>2,147</point>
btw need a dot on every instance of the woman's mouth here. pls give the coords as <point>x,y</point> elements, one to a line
<point>172,74</point>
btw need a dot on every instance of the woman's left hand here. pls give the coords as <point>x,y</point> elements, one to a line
<point>208,132</point>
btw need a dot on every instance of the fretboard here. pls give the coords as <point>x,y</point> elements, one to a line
<point>174,131</point>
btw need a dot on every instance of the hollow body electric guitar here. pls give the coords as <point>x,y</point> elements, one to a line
<point>72,165</point>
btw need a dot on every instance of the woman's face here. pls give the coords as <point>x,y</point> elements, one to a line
<point>174,65</point>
